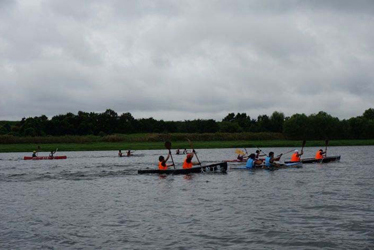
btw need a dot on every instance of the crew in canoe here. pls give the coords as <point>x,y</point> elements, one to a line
<point>320,154</point>
<point>185,151</point>
<point>177,152</point>
<point>188,161</point>
<point>129,153</point>
<point>270,160</point>
<point>251,162</point>
<point>162,162</point>
<point>120,153</point>
<point>296,156</point>
<point>34,154</point>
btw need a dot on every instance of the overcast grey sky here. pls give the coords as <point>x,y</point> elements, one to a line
<point>177,60</point>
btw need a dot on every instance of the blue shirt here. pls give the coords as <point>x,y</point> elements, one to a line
<point>267,161</point>
<point>250,163</point>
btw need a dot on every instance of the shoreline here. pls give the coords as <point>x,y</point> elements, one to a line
<point>110,146</point>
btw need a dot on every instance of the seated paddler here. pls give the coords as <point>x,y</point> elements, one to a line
<point>52,153</point>
<point>320,154</point>
<point>252,161</point>
<point>187,163</point>
<point>162,162</point>
<point>296,156</point>
<point>270,160</point>
<point>120,153</point>
<point>34,154</point>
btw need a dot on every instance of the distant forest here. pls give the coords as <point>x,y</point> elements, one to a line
<point>318,126</point>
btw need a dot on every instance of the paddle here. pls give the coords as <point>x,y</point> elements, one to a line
<point>287,152</point>
<point>168,146</point>
<point>239,152</point>
<point>246,152</point>
<point>326,143</point>
<point>302,147</point>
<point>261,150</point>
<point>193,150</point>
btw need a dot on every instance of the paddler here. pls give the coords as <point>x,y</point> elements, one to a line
<point>296,156</point>
<point>52,153</point>
<point>162,162</point>
<point>251,162</point>
<point>270,160</point>
<point>258,155</point>
<point>34,154</point>
<point>320,154</point>
<point>188,161</point>
<point>120,153</point>
<point>129,153</point>
<point>177,152</point>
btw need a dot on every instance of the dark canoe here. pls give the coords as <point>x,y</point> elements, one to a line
<point>324,160</point>
<point>221,167</point>
<point>61,157</point>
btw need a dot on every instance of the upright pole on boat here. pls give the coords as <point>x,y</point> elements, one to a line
<point>168,146</point>
<point>193,150</point>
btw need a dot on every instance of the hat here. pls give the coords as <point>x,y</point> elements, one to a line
<point>34,151</point>
<point>296,150</point>
<point>189,155</point>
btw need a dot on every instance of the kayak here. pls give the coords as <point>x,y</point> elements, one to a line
<point>236,160</point>
<point>282,165</point>
<point>45,157</point>
<point>324,160</point>
<point>222,167</point>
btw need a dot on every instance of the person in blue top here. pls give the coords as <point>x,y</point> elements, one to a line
<point>252,161</point>
<point>270,160</point>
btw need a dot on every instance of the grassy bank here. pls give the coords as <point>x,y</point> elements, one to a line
<point>94,146</point>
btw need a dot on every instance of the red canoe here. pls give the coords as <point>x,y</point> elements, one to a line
<point>45,157</point>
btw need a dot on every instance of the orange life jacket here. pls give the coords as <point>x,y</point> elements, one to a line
<point>160,167</point>
<point>186,164</point>
<point>319,156</point>
<point>295,157</point>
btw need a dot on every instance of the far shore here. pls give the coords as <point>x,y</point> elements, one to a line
<point>110,146</point>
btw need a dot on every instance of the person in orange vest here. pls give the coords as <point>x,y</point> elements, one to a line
<point>296,156</point>
<point>188,161</point>
<point>320,154</point>
<point>162,162</point>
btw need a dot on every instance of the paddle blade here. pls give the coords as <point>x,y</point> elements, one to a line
<point>239,152</point>
<point>303,143</point>
<point>168,145</point>
<point>327,142</point>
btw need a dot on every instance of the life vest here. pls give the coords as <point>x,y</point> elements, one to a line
<point>186,164</point>
<point>319,156</point>
<point>295,157</point>
<point>267,161</point>
<point>161,167</point>
<point>250,163</point>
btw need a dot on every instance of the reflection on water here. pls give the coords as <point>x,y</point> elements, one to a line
<point>97,200</point>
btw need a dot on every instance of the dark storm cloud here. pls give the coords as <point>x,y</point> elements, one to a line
<point>186,59</point>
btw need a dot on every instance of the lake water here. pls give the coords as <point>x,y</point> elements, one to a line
<point>97,200</point>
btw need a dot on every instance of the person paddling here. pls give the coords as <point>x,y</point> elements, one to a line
<point>34,154</point>
<point>320,154</point>
<point>177,152</point>
<point>129,153</point>
<point>52,153</point>
<point>120,153</point>
<point>296,156</point>
<point>162,162</point>
<point>252,162</point>
<point>270,160</point>
<point>188,161</point>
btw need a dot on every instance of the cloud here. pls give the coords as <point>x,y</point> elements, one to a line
<point>177,60</point>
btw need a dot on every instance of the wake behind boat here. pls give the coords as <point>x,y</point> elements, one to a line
<point>217,167</point>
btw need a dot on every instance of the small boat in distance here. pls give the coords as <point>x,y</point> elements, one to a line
<point>217,167</point>
<point>61,157</point>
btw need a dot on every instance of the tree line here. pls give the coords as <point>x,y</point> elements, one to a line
<point>318,126</point>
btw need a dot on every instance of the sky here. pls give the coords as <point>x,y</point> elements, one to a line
<point>182,60</point>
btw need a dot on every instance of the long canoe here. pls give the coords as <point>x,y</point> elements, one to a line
<point>61,157</point>
<point>262,166</point>
<point>221,167</point>
<point>324,160</point>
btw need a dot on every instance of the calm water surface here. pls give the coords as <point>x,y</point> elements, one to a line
<point>96,200</point>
